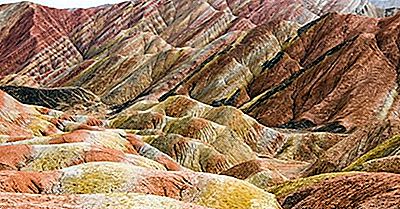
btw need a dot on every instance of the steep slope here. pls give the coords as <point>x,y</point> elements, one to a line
<point>35,41</point>
<point>206,103</point>
<point>71,99</point>
<point>345,80</point>
<point>177,39</point>
<point>83,157</point>
<point>353,190</point>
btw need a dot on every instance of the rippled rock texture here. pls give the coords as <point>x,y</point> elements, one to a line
<point>151,49</point>
<point>200,104</point>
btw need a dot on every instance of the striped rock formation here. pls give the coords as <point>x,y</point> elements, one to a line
<point>92,159</point>
<point>351,190</point>
<point>107,177</point>
<point>200,104</point>
<point>92,48</point>
<point>322,88</point>
<point>95,201</point>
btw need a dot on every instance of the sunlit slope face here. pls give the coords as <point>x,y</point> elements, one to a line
<point>84,159</point>
<point>93,48</point>
<point>216,52</point>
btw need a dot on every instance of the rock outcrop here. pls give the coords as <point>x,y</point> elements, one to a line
<point>176,43</point>
<point>95,201</point>
<point>200,104</point>
<point>354,190</point>
<point>73,100</point>
<point>317,82</point>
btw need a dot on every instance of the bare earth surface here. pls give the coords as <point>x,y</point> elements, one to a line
<point>200,104</point>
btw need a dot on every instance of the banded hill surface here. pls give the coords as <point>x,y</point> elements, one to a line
<point>201,104</point>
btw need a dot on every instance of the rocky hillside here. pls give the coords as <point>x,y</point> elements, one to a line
<point>200,104</point>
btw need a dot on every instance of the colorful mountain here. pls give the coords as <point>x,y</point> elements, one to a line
<point>200,104</point>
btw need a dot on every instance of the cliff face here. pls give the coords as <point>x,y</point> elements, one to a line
<point>200,104</point>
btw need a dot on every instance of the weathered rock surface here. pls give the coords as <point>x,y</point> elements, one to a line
<point>73,100</point>
<point>207,103</point>
<point>222,62</point>
<point>22,121</point>
<point>355,190</point>
<point>58,156</point>
<point>351,149</point>
<point>106,177</point>
<point>84,156</point>
<point>266,172</point>
<point>92,201</point>
<point>176,44</point>
<point>318,80</point>
<point>383,158</point>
